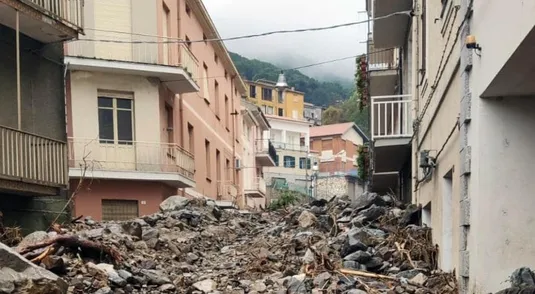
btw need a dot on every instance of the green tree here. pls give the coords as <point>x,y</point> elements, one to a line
<point>332,115</point>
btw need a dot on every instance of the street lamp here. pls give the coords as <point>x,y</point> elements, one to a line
<point>281,86</point>
<point>315,170</point>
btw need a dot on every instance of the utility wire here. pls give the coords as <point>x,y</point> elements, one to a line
<point>408,13</point>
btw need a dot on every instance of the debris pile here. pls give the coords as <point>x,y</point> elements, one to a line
<point>369,245</point>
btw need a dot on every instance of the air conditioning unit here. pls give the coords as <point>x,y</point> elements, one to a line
<point>238,164</point>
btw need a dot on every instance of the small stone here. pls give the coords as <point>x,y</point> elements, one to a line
<point>191,258</point>
<point>259,287</point>
<point>105,290</point>
<point>150,233</point>
<point>419,279</point>
<point>166,287</point>
<point>321,279</point>
<point>174,203</point>
<point>127,276</point>
<point>359,256</point>
<point>133,229</point>
<point>374,263</point>
<point>156,277</point>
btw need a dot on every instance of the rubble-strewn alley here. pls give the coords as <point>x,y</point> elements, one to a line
<point>370,245</point>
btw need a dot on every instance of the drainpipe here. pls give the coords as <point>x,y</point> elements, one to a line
<point>233,132</point>
<point>19,99</point>
<point>181,124</point>
<point>415,99</point>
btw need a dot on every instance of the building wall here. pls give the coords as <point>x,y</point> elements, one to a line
<point>148,194</point>
<point>205,111</point>
<point>337,185</point>
<point>440,195</point>
<point>330,159</point>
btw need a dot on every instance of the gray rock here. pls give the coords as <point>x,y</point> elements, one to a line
<point>355,291</point>
<point>205,286</point>
<point>133,228</point>
<point>359,256</point>
<point>174,203</point>
<point>352,243</point>
<point>366,200</point>
<point>18,275</point>
<point>150,233</point>
<point>373,213</point>
<point>166,287</point>
<point>105,290</point>
<point>522,277</point>
<point>94,233</point>
<point>409,274</point>
<point>351,264</point>
<point>306,219</point>
<point>321,279</point>
<point>127,276</point>
<point>114,229</point>
<point>259,287</point>
<point>374,264</point>
<point>33,238</point>
<point>297,285</point>
<point>156,277</point>
<point>191,258</point>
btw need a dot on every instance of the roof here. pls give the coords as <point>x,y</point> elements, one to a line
<point>275,117</point>
<point>336,129</point>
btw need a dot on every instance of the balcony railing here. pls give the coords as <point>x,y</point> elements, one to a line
<point>131,156</point>
<point>146,50</point>
<point>32,158</point>
<point>265,146</point>
<point>226,190</point>
<point>391,116</point>
<point>257,185</point>
<point>70,12</point>
<point>383,59</point>
<point>291,147</point>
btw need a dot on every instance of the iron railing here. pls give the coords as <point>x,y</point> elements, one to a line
<point>258,184</point>
<point>149,50</point>
<point>265,146</point>
<point>32,158</point>
<point>226,190</point>
<point>69,12</point>
<point>131,156</point>
<point>289,146</point>
<point>391,116</point>
<point>383,59</point>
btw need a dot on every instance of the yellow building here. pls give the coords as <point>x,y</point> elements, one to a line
<point>264,94</point>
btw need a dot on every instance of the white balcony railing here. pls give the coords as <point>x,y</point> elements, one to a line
<point>144,50</point>
<point>258,184</point>
<point>135,156</point>
<point>70,12</point>
<point>391,116</point>
<point>226,190</point>
<point>288,146</point>
<point>32,158</point>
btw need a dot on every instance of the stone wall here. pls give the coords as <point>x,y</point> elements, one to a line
<point>328,187</point>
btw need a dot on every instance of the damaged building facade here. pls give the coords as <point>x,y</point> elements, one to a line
<point>471,102</point>
<point>33,141</point>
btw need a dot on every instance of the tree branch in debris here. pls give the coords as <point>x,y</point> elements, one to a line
<point>376,276</point>
<point>84,246</point>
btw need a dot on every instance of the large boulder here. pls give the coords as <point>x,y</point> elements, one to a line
<point>174,203</point>
<point>18,275</point>
<point>366,200</point>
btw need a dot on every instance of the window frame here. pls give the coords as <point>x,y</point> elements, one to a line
<point>115,110</point>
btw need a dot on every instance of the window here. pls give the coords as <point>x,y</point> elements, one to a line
<point>268,110</point>
<point>281,112</point>
<point>227,170</point>
<point>118,210</point>
<point>208,161</point>
<point>191,139</point>
<point>205,90</point>
<point>226,75</point>
<point>218,165</point>
<point>295,114</point>
<point>277,160</point>
<point>115,120</point>
<point>188,42</point>
<point>188,10</point>
<point>289,161</point>
<point>170,123</point>
<point>267,94</point>
<point>204,38</point>
<point>216,98</point>
<point>304,163</point>
<point>216,58</point>
<point>252,91</point>
<point>226,112</point>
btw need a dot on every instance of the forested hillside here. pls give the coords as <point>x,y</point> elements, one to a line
<point>316,92</point>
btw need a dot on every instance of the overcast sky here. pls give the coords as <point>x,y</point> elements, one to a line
<point>244,17</point>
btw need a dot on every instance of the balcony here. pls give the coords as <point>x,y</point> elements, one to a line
<point>144,161</point>
<point>390,31</point>
<point>173,64</point>
<point>383,68</point>
<point>255,188</point>
<point>265,153</point>
<point>391,132</point>
<point>226,190</point>
<point>31,164</point>
<point>47,21</point>
<point>289,146</point>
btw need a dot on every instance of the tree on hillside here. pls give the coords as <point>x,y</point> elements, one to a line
<point>332,115</point>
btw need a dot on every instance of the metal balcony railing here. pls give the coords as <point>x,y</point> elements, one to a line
<point>383,59</point>
<point>69,12</point>
<point>32,158</point>
<point>143,50</point>
<point>288,146</point>
<point>131,156</point>
<point>265,146</point>
<point>391,116</point>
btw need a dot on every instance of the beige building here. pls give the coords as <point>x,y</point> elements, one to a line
<point>153,112</point>
<point>468,79</point>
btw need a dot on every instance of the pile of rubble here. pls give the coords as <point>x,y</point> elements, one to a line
<point>370,245</point>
